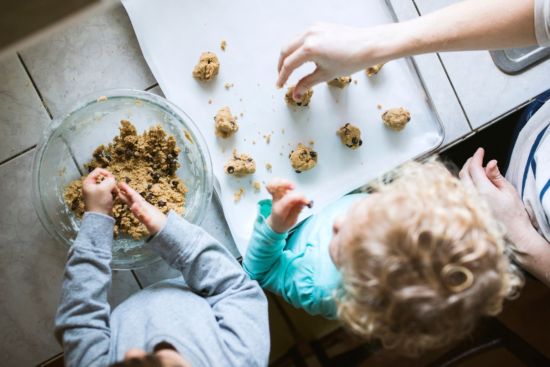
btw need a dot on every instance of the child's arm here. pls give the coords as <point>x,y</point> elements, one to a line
<point>265,260</point>
<point>82,320</point>
<point>237,302</point>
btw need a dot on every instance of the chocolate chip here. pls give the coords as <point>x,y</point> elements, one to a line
<point>298,171</point>
<point>313,154</point>
<point>230,169</point>
<point>161,203</point>
<point>360,142</point>
<point>90,169</point>
<point>127,179</point>
<point>354,141</point>
<point>149,186</point>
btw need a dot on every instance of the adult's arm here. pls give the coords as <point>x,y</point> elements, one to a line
<point>82,320</point>
<point>468,25</point>
<point>238,303</point>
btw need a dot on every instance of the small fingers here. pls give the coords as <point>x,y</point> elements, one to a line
<point>291,202</point>
<point>129,195</point>
<point>493,173</point>
<point>477,172</point>
<point>465,175</point>
<point>291,63</point>
<point>279,188</point>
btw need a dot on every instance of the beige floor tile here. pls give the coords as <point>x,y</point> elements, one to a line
<point>22,115</point>
<point>100,53</point>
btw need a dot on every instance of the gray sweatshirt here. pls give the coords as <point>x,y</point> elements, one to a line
<point>214,316</point>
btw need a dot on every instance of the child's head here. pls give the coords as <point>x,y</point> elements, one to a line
<point>422,259</point>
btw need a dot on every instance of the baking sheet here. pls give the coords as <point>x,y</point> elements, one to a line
<point>173,33</point>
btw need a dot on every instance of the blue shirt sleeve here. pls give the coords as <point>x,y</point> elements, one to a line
<point>283,271</point>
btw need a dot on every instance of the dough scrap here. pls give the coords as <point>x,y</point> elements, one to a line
<point>340,82</point>
<point>303,158</point>
<point>226,123</point>
<point>306,98</point>
<point>373,70</point>
<point>396,118</point>
<point>240,165</point>
<point>148,163</point>
<point>223,45</point>
<point>350,136</point>
<point>208,67</point>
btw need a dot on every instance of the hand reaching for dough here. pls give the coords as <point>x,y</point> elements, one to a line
<point>337,50</point>
<point>97,190</point>
<point>287,205</point>
<point>146,213</point>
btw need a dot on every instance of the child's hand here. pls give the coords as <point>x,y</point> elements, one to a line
<point>97,190</point>
<point>286,207</point>
<point>147,214</point>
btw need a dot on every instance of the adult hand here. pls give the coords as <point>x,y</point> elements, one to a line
<point>337,50</point>
<point>502,197</point>
<point>153,219</point>
<point>287,205</point>
<point>98,189</point>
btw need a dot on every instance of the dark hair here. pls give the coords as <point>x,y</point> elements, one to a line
<point>150,360</point>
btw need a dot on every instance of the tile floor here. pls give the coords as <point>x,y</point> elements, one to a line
<point>36,85</point>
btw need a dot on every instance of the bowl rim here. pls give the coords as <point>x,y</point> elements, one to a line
<point>96,97</point>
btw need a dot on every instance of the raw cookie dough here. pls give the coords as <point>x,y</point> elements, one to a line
<point>226,124</point>
<point>240,165</point>
<point>340,82</point>
<point>148,163</point>
<point>208,67</point>
<point>396,118</point>
<point>303,158</point>
<point>373,70</point>
<point>350,136</point>
<point>306,98</point>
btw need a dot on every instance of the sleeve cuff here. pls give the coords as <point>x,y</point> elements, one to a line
<point>176,237</point>
<point>264,211</point>
<point>96,232</point>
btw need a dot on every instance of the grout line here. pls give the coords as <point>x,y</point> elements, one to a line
<point>17,155</point>
<point>49,360</point>
<point>72,155</point>
<point>151,87</point>
<point>34,85</point>
<point>137,279</point>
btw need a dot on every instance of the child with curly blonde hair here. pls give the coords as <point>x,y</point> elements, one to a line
<point>415,263</point>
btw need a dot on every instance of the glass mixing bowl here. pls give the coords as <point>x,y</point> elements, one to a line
<point>68,143</point>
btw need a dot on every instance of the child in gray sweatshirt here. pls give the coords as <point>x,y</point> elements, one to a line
<point>214,316</point>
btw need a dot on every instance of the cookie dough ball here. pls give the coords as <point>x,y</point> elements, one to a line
<point>340,82</point>
<point>306,98</point>
<point>396,118</point>
<point>208,67</point>
<point>240,165</point>
<point>350,136</point>
<point>226,123</point>
<point>303,158</point>
<point>373,70</point>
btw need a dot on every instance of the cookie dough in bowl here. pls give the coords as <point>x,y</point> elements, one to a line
<point>155,148</point>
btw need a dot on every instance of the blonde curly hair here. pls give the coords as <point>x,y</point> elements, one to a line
<point>422,261</point>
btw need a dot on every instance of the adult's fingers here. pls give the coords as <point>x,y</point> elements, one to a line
<point>477,172</point>
<point>493,173</point>
<point>289,49</point>
<point>464,174</point>
<point>306,83</point>
<point>291,63</point>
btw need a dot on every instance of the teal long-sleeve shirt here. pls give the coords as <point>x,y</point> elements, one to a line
<point>298,266</point>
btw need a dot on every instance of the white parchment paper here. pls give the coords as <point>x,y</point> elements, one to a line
<point>173,33</point>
